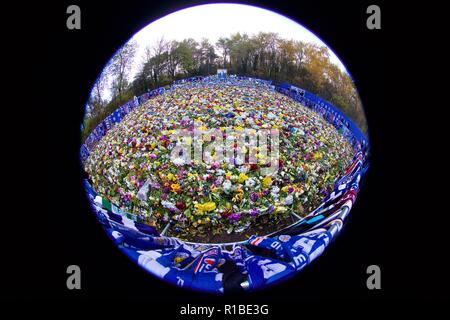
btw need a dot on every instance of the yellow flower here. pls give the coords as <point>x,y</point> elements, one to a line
<point>171,177</point>
<point>280,209</point>
<point>205,207</point>
<point>267,181</point>
<point>175,187</point>
<point>228,174</point>
<point>239,196</point>
<point>242,177</point>
<point>317,156</point>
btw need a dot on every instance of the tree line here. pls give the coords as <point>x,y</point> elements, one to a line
<point>264,55</point>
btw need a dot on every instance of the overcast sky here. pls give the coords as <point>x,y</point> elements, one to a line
<point>213,21</point>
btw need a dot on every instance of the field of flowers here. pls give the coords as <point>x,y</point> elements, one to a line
<point>219,201</point>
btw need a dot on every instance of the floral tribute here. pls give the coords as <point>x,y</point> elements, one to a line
<point>220,201</point>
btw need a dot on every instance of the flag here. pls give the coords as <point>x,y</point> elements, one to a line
<point>107,123</point>
<point>88,188</point>
<point>115,236</point>
<point>167,264</point>
<point>237,255</point>
<point>263,271</point>
<point>209,260</point>
<point>302,249</point>
<point>116,117</point>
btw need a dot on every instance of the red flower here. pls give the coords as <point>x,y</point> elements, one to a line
<point>226,213</point>
<point>180,205</point>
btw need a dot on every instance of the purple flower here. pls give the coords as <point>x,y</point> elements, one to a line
<point>234,217</point>
<point>271,209</point>
<point>254,197</point>
<point>254,212</point>
<point>155,185</point>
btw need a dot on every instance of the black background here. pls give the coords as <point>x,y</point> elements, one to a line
<point>58,228</point>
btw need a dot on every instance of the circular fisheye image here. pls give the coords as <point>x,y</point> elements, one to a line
<point>223,147</point>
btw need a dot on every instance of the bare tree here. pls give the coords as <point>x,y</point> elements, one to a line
<point>96,99</point>
<point>158,61</point>
<point>174,58</point>
<point>121,65</point>
<point>223,44</point>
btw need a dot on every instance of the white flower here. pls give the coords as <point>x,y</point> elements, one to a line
<point>274,191</point>
<point>239,161</point>
<point>178,161</point>
<point>288,200</point>
<point>250,182</point>
<point>169,205</point>
<point>243,169</point>
<point>226,186</point>
<point>220,172</point>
